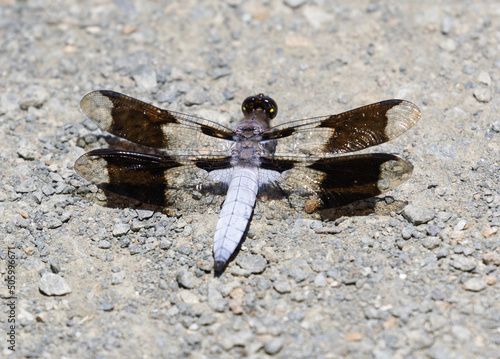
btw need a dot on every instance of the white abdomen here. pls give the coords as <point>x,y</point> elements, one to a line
<point>235,213</point>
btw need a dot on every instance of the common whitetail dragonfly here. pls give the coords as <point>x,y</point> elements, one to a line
<point>294,156</point>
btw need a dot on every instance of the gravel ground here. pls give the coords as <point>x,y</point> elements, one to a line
<point>419,281</point>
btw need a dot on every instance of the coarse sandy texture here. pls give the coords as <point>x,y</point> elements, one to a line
<point>421,282</point>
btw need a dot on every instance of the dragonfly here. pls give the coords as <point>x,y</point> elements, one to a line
<point>184,151</point>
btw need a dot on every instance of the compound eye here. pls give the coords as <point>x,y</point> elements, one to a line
<point>260,101</point>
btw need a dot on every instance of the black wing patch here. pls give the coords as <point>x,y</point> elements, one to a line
<point>148,125</point>
<point>346,132</point>
<point>149,178</point>
<point>338,181</point>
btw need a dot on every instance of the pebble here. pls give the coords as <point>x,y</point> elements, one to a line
<point>144,76</point>
<point>431,242</point>
<point>165,244</point>
<point>320,280</point>
<point>463,264</point>
<point>254,263</point>
<point>460,225</point>
<point>407,232</point>
<point>448,45</point>
<point>354,337</point>
<point>273,346</point>
<point>320,265</point>
<point>186,279</point>
<point>240,338</point>
<point>121,229</point>
<point>104,244</point>
<point>475,285</point>
<point>484,78</point>
<point>416,215</point>
<point>491,258</point>
<point>482,94</point>
<point>196,96</point>
<point>117,278</point>
<point>282,287</point>
<point>461,333</point>
<point>294,3</point>
<point>53,284</point>
<point>419,339</point>
<point>446,25</point>
<point>33,96</point>
<point>215,300</point>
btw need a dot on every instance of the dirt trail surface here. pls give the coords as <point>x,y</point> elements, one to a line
<point>383,281</point>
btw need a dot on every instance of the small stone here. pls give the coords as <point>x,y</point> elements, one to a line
<point>165,244</point>
<point>205,265</point>
<point>490,279</point>
<point>371,313</point>
<point>34,96</point>
<point>432,230</point>
<point>458,235</point>
<point>320,265</point>
<point>235,304</point>
<point>26,186</point>
<point>446,25</point>
<point>320,280</point>
<point>354,337</point>
<point>294,3</point>
<point>117,278</point>
<point>186,279</point>
<point>195,96</point>
<point>488,232</point>
<point>121,229</point>
<point>282,287</point>
<point>144,76</point>
<point>491,258</point>
<point>241,338</point>
<point>53,284</point>
<point>134,249</point>
<point>407,232</point>
<point>442,253</point>
<point>463,264</point>
<point>468,69</point>
<point>460,225</point>
<point>461,333</point>
<point>26,153</point>
<point>188,297</point>
<point>215,300</point>
<point>448,45</point>
<point>419,339</point>
<point>296,315</point>
<point>104,244</point>
<point>482,94</point>
<point>416,215</point>
<point>273,346</point>
<point>137,225</point>
<point>484,78</point>
<point>42,317</point>
<point>431,242</point>
<point>53,222</point>
<point>254,263</point>
<point>144,214</point>
<point>475,285</point>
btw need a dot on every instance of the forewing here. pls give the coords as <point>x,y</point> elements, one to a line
<point>337,181</point>
<point>148,125</point>
<point>346,132</point>
<point>160,180</point>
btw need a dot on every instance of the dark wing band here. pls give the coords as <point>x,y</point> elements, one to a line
<point>148,125</point>
<point>338,181</point>
<point>149,178</point>
<point>346,132</point>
